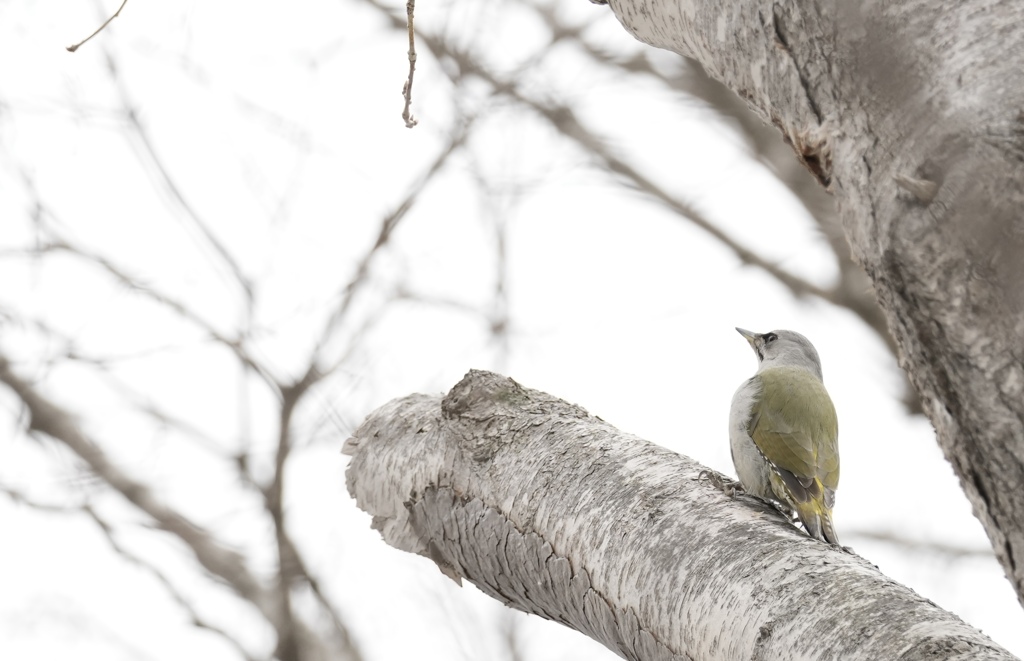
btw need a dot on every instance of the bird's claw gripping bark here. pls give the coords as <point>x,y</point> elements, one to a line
<point>721,482</point>
<point>732,487</point>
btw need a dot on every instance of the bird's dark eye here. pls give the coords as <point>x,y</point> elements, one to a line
<point>770,337</point>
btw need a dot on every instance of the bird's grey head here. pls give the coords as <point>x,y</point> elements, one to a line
<point>783,348</point>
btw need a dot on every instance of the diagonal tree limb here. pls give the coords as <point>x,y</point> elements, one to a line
<point>133,396</point>
<point>47,418</point>
<point>295,637</point>
<point>554,512</point>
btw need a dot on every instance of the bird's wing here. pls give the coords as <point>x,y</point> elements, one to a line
<point>794,410</point>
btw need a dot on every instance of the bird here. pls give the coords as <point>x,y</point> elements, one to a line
<point>784,433</point>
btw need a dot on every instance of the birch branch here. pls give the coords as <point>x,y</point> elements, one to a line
<point>555,512</point>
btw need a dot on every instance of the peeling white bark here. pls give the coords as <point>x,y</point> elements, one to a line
<point>555,512</point>
<point>912,113</point>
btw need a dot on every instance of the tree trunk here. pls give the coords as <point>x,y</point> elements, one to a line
<point>913,114</point>
<point>555,512</point>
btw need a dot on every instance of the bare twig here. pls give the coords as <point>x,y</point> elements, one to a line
<point>288,646</point>
<point>387,227</point>
<point>340,630</point>
<point>498,201</point>
<point>500,317</point>
<point>148,155</point>
<point>20,498</point>
<point>564,120</point>
<point>510,626</point>
<point>135,397</point>
<point>47,418</point>
<point>410,121</point>
<point>275,603</point>
<point>405,293</point>
<point>171,589</point>
<point>121,276</point>
<point>331,424</point>
<point>47,227</point>
<point>72,48</point>
<point>292,569</point>
<point>108,532</point>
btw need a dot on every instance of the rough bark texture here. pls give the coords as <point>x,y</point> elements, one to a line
<point>913,114</point>
<point>555,512</point>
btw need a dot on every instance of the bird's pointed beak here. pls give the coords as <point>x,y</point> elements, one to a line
<point>749,335</point>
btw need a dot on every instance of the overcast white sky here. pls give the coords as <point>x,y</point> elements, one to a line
<point>282,127</point>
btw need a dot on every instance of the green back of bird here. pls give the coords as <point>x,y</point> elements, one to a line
<point>794,425</point>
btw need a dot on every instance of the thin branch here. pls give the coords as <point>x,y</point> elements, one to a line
<point>147,152</point>
<point>302,569</point>
<point>497,203</point>
<point>143,404</point>
<point>410,121</point>
<point>20,498</point>
<point>72,48</point>
<point>500,317</point>
<point>387,228</point>
<point>129,392</point>
<point>133,283</point>
<point>405,293</point>
<point>108,532</point>
<point>139,401</point>
<point>510,629</point>
<point>288,645</point>
<point>46,220</point>
<point>564,120</point>
<point>275,605</point>
<point>291,566</point>
<point>332,423</point>
<point>47,418</point>
<point>353,343</point>
<point>172,590</point>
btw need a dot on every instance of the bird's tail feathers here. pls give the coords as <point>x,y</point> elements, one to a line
<point>810,499</point>
<point>817,519</point>
<point>828,529</point>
